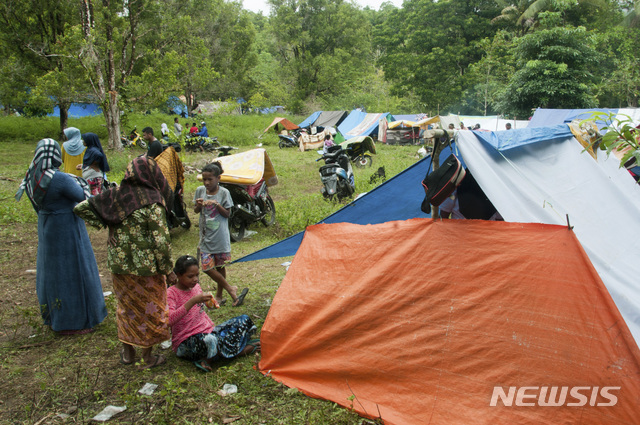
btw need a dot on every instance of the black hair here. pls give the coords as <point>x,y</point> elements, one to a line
<point>327,137</point>
<point>183,263</point>
<point>148,130</point>
<point>194,124</point>
<point>214,168</point>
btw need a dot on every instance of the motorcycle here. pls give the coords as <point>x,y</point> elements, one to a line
<point>357,148</point>
<point>134,139</point>
<point>193,143</point>
<point>251,203</point>
<point>287,141</point>
<point>336,175</point>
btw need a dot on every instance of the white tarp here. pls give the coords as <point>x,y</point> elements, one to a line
<point>543,182</point>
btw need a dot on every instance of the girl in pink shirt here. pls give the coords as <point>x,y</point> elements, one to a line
<point>194,336</point>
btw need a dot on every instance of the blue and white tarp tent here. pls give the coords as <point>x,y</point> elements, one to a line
<point>79,110</point>
<point>360,123</point>
<point>531,175</point>
<point>324,119</point>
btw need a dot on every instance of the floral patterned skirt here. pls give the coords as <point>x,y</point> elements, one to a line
<point>142,314</point>
<point>226,341</point>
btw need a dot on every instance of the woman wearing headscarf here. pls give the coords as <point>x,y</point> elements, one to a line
<point>139,255</point>
<point>94,163</point>
<point>72,151</point>
<point>165,131</point>
<point>67,279</point>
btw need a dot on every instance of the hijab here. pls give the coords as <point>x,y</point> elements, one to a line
<point>73,146</point>
<point>47,159</point>
<point>164,129</point>
<point>143,184</point>
<point>94,152</point>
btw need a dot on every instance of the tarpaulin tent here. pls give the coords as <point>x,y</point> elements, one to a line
<point>79,110</point>
<point>493,123</point>
<point>546,117</point>
<point>452,322</point>
<point>280,122</point>
<point>324,119</point>
<point>531,175</point>
<point>399,131</point>
<point>359,123</point>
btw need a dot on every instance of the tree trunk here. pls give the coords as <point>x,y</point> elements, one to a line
<point>64,117</point>
<point>111,113</point>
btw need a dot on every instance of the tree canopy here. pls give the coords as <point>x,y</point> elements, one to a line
<point>428,56</point>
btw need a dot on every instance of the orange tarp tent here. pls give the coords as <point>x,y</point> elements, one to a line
<point>288,125</point>
<point>432,322</point>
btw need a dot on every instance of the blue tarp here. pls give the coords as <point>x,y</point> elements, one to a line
<point>508,139</point>
<point>410,117</point>
<point>399,198</point>
<point>79,110</point>
<point>548,117</point>
<point>354,122</point>
<point>310,120</point>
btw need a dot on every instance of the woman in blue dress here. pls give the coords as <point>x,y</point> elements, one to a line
<point>67,279</point>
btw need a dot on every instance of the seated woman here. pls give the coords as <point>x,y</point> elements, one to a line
<point>194,335</point>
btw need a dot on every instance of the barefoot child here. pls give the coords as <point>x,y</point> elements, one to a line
<point>194,336</point>
<point>213,202</point>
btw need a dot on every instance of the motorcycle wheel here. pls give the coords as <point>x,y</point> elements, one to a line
<point>269,213</point>
<point>363,161</point>
<point>236,228</point>
<point>142,144</point>
<point>282,144</point>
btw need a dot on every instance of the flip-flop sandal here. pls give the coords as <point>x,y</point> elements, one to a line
<point>240,299</point>
<point>253,342</point>
<point>222,302</point>
<point>159,360</point>
<point>254,348</point>
<point>199,366</point>
<point>123,361</point>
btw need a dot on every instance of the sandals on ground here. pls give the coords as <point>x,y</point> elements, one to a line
<point>158,360</point>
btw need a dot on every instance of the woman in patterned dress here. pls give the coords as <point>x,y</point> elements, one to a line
<point>139,255</point>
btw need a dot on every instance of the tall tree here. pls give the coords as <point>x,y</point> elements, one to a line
<point>325,45</point>
<point>430,45</point>
<point>31,30</point>
<point>554,71</point>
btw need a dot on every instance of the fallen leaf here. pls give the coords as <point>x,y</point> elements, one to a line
<point>231,419</point>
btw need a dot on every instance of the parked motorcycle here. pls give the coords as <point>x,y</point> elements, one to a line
<point>357,148</point>
<point>133,139</point>
<point>251,203</point>
<point>336,175</point>
<point>193,143</point>
<point>289,140</point>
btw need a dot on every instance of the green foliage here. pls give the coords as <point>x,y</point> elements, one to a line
<point>621,136</point>
<point>554,72</point>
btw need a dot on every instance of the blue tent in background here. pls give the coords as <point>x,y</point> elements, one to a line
<point>310,119</point>
<point>79,110</point>
<point>398,198</point>
<point>548,117</point>
<point>360,123</point>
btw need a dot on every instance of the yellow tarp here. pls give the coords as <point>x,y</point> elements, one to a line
<point>248,168</point>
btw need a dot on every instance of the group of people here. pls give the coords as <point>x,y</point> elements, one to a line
<point>139,255</point>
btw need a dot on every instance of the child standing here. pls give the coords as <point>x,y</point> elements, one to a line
<point>213,202</point>
<point>194,336</point>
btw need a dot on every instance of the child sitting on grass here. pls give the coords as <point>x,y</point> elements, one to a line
<point>194,336</point>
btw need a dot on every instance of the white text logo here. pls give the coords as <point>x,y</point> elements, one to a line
<point>555,396</point>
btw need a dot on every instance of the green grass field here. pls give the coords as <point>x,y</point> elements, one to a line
<point>43,375</point>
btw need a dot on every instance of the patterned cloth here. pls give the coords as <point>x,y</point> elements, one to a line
<point>142,314</point>
<point>46,161</point>
<point>142,241</point>
<point>225,342</point>
<point>171,166</point>
<point>143,184</point>
<point>96,185</point>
